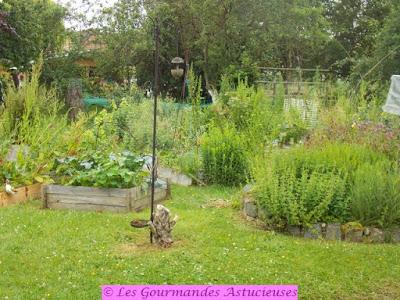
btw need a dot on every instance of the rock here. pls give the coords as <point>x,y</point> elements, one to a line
<point>174,177</point>
<point>247,188</point>
<point>314,232</point>
<point>392,235</point>
<point>353,232</point>
<point>333,232</point>
<point>250,207</point>
<point>375,235</point>
<point>295,230</point>
<point>354,236</point>
<point>396,235</point>
<point>14,150</point>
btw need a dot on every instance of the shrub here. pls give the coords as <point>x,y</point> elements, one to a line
<point>376,195</point>
<point>290,199</point>
<point>224,157</point>
<point>303,185</point>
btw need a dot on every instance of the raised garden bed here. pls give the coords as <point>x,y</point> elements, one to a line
<point>22,194</point>
<point>101,199</point>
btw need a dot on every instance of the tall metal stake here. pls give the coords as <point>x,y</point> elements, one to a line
<point>156,85</point>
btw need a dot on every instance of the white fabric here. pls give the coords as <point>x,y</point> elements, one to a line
<point>392,105</point>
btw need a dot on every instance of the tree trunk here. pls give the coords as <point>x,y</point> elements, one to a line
<point>161,227</point>
<point>74,99</point>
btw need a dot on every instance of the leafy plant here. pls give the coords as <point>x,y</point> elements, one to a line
<point>122,170</point>
<point>376,195</point>
<point>303,185</point>
<point>224,157</point>
<point>292,199</point>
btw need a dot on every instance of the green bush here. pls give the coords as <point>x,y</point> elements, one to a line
<point>303,185</point>
<point>376,195</point>
<point>304,200</point>
<point>224,157</point>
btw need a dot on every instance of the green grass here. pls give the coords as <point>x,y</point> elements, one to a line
<point>69,255</point>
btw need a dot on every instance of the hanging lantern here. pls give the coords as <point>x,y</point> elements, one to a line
<point>392,105</point>
<point>177,70</point>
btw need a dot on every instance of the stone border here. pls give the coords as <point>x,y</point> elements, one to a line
<point>349,232</point>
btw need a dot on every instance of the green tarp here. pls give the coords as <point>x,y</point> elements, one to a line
<point>90,101</point>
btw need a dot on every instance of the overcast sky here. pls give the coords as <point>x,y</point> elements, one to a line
<point>85,7</point>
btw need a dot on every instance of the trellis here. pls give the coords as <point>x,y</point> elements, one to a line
<point>297,88</point>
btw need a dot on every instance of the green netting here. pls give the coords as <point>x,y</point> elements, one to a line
<point>89,101</point>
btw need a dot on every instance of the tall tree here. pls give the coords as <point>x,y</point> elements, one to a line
<point>121,34</point>
<point>355,24</point>
<point>39,25</point>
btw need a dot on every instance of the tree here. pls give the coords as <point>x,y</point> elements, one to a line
<point>355,24</point>
<point>39,25</point>
<point>384,59</point>
<point>121,34</point>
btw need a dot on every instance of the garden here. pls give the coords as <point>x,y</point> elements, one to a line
<point>268,186</point>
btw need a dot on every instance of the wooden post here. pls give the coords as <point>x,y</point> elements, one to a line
<point>74,99</point>
<point>161,227</point>
<point>186,73</point>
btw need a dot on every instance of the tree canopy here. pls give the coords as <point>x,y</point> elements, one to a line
<point>220,37</point>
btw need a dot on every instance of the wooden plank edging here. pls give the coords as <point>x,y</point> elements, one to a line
<point>22,194</point>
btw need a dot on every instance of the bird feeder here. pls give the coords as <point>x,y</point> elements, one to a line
<point>177,70</point>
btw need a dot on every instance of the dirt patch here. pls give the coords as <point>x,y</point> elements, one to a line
<point>216,203</point>
<point>388,291</point>
<point>143,247</point>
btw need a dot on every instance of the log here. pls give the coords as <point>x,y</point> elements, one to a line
<point>161,226</point>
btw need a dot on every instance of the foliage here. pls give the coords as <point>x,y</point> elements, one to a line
<point>224,157</point>
<point>302,199</point>
<point>31,119</point>
<point>39,25</point>
<point>120,170</point>
<point>302,186</point>
<point>355,25</point>
<point>375,197</point>
<point>121,37</point>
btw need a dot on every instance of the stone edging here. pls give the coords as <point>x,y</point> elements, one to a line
<point>350,232</point>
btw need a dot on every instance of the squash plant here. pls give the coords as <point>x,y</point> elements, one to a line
<point>114,170</point>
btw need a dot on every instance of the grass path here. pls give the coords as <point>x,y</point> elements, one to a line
<point>69,255</point>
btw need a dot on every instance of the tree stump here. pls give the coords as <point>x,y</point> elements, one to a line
<point>161,227</point>
<point>74,99</point>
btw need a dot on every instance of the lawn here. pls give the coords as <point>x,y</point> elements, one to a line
<point>69,255</point>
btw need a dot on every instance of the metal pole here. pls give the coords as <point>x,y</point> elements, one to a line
<point>156,85</point>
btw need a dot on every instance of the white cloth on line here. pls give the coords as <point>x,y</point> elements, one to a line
<point>392,105</point>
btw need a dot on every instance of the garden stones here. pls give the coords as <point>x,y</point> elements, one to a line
<point>295,230</point>
<point>373,235</point>
<point>249,204</point>
<point>396,236</point>
<point>14,150</point>
<point>333,232</point>
<point>315,231</point>
<point>250,207</point>
<point>353,232</point>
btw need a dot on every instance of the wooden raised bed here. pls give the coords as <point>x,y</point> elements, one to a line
<point>100,199</point>
<point>22,194</point>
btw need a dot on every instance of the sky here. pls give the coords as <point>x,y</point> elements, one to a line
<point>85,7</point>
